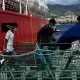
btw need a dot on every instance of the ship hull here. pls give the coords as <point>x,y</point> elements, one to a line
<point>27,26</point>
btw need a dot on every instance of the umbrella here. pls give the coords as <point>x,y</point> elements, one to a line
<point>68,37</point>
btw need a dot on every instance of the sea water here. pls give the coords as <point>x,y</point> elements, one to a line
<point>62,28</point>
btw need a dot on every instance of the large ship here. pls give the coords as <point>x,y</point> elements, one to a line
<point>28,14</point>
<point>30,17</point>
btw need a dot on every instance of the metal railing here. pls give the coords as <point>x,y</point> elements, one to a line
<point>42,64</point>
<point>14,5</point>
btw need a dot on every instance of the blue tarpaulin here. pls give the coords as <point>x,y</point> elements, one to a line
<point>68,37</point>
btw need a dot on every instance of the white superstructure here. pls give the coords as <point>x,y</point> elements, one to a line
<point>36,6</point>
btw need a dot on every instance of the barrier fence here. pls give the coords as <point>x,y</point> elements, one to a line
<point>42,64</point>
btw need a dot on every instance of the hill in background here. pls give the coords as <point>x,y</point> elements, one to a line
<point>56,10</point>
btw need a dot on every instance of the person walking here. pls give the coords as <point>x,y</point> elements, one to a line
<point>45,37</point>
<point>8,40</point>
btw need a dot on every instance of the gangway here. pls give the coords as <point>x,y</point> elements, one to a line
<point>27,66</point>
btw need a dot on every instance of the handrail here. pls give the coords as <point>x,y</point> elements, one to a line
<point>59,61</point>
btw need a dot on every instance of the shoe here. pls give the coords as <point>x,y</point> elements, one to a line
<point>2,61</point>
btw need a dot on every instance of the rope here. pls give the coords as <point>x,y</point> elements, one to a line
<point>17,55</point>
<point>34,52</point>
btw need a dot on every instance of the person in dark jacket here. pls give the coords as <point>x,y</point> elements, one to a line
<point>45,34</point>
<point>44,37</point>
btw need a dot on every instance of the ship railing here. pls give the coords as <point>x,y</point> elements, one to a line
<point>20,6</point>
<point>14,5</point>
<point>28,65</point>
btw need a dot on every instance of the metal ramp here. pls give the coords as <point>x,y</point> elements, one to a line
<point>27,66</point>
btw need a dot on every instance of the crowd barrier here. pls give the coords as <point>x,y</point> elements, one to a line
<point>33,65</point>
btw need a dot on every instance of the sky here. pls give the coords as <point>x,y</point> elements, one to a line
<point>63,2</point>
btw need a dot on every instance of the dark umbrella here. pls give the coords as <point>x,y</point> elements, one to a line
<point>68,37</point>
